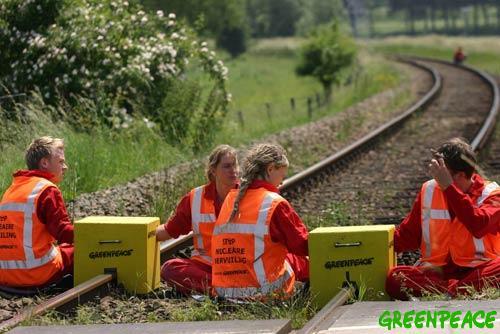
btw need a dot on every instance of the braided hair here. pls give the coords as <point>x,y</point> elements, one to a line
<point>255,164</point>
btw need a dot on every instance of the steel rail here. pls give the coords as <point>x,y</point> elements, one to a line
<point>483,134</point>
<point>86,291</point>
<point>80,293</point>
<point>368,139</point>
<point>169,247</point>
<point>89,289</point>
<point>317,322</point>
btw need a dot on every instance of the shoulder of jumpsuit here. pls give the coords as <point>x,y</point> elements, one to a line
<point>477,187</point>
<point>35,173</point>
<point>41,174</point>
<point>210,192</point>
<point>474,192</point>
<point>263,184</point>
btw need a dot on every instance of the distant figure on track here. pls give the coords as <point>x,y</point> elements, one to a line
<point>259,245</point>
<point>459,56</point>
<point>455,221</point>
<point>197,212</point>
<point>33,217</point>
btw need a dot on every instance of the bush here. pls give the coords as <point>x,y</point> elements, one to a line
<point>114,54</point>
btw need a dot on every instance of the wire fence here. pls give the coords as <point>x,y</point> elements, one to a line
<point>13,97</point>
<point>269,110</point>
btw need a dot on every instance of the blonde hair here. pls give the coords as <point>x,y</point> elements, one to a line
<point>255,164</point>
<point>40,148</point>
<point>215,157</point>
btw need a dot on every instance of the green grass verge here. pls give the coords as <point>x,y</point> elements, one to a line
<point>96,160</point>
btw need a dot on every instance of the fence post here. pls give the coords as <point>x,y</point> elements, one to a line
<point>292,103</point>
<point>318,100</point>
<point>240,118</point>
<point>309,107</point>
<point>268,111</point>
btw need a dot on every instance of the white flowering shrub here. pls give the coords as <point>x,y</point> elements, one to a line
<point>129,62</point>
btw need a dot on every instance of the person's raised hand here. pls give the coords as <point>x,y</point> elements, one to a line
<point>440,173</point>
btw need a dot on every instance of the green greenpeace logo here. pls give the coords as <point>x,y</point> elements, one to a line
<point>437,319</point>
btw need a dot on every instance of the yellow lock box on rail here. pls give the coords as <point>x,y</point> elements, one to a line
<point>359,256</point>
<point>125,243</point>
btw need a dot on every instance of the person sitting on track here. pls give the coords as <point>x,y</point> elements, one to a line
<point>259,244</point>
<point>455,222</point>
<point>197,212</point>
<point>32,217</point>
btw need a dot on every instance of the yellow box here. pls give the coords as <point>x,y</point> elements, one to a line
<point>360,254</point>
<point>125,243</point>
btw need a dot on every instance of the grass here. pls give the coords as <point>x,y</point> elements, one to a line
<point>165,198</point>
<point>96,160</point>
<point>372,76</point>
<point>298,308</point>
<point>489,291</point>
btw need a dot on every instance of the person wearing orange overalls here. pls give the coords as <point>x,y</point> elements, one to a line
<point>259,243</point>
<point>33,218</point>
<point>197,212</point>
<point>455,222</point>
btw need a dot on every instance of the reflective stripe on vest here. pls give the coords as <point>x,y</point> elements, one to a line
<point>428,213</point>
<point>28,209</point>
<point>426,216</point>
<point>479,243</point>
<point>259,230</point>
<point>486,192</point>
<point>196,218</point>
<point>252,291</point>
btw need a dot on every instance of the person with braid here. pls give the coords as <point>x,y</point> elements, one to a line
<point>259,243</point>
<point>197,212</point>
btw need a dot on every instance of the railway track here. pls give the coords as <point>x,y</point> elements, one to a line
<point>397,150</point>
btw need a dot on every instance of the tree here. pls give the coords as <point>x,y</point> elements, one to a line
<point>319,12</point>
<point>325,54</point>
<point>273,18</point>
<point>231,29</point>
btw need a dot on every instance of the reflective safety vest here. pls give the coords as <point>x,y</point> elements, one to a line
<point>202,221</point>
<point>442,236</point>
<point>28,256</point>
<point>246,262</point>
